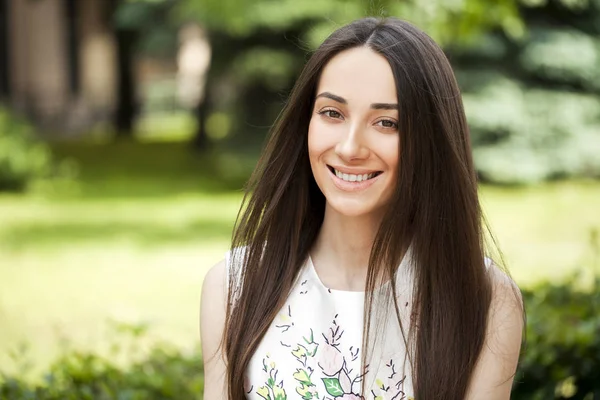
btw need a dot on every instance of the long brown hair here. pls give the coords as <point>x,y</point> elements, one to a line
<point>435,211</point>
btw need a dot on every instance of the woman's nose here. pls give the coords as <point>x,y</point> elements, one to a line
<point>352,145</point>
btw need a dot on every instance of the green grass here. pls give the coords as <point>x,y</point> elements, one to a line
<point>545,232</point>
<point>133,239</point>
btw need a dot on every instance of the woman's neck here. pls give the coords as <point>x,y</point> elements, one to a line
<point>342,248</point>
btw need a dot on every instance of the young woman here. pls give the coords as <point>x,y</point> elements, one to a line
<point>357,268</point>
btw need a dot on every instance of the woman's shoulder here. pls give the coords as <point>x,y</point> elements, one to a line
<point>214,289</point>
<point>212,325</point>
<point>502,282</point>
<point>216,276</point>
<point>497,362</point>
<point>213,299</point>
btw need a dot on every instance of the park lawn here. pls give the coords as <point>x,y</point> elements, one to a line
<point>66,267</point>
<point>133,240</point>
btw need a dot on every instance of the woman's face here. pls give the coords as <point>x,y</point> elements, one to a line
<point>353,132</point>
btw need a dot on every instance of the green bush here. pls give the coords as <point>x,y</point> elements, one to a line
<point>532,101</point>
<point>561,359</point>
<point>23,158</point>
<point>162,373</point>
<point>527,135</point>
<point>564,56</point>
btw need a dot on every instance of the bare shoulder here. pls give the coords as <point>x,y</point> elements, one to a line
<point>213,306</point>
<point>212,323</point>
<point>215,280</point>
<point>495,369</point>
<point>506,295</point>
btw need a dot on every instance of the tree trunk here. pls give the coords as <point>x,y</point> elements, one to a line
<point>203,108</point>
<point>72,37</point>
<point>5,92</point>
<point>126,103</point>
<point>125,112</point>
<point>200,140</point>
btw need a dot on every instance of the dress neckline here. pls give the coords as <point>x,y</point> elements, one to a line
<point>402,273</point>
<point>348,293</point>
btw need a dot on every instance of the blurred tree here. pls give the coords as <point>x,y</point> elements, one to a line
<point>140,26</point>
<point>125,36</point>
<point>4,52</point>
<point>71,11</point>
<point>533,102</point>
<point>285,30</point>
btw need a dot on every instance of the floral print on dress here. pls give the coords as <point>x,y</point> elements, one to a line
<point>391,386</point>
<point>340,370</point>
<point>272,390</point>
<point>321,363</point>
<point>304,354</point>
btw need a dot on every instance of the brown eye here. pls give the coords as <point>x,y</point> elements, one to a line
<point>387,123</point>
<point>331,114</point>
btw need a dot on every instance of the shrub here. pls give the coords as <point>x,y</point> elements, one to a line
<point>527,135</point>
<point>164,373</point>
<point>561,359</point>
<point>532,101</point>
<point>23,158</point>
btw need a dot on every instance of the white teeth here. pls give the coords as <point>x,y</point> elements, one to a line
<point>353,178</point>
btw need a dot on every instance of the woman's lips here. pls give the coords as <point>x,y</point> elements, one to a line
<point>352,186</point>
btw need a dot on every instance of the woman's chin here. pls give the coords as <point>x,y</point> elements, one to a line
<point>352,209</point>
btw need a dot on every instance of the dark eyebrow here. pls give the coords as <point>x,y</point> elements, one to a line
<point>374,106</point>
<point>333,97</point>
<point>384,106</point>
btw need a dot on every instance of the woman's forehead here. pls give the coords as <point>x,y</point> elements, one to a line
<point>359,75</point>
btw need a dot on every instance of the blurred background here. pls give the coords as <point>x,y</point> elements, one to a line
<point>128,128</point>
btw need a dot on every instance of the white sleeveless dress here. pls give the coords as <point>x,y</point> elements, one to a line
<point>313,348</point>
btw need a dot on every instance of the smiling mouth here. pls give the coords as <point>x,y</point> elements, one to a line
<point>353,177</point>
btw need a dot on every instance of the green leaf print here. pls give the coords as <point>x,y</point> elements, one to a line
<point>299,352</point>
<point>302,376</point>
<point>312,338</point>
<point>333,387</point>
<point>263,392</point>
<point>311,346</point>
<point>305,392</point>
<point>279,393</point>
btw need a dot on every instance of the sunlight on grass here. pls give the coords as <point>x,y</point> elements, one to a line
<point>545,232</point>
<point>72,292</point>
<point>187,218</point>
<point>134,240</point>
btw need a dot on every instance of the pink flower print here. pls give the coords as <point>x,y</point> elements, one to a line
<point>331,360</point>
<point>345,381</point>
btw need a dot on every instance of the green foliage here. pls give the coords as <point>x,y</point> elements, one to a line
<point>562,355</point>
<point>153,24</point>
<point>22,157</point>
<point>560,360</point>
<point>528,135</point>
<point>445,20</point>
<point>533,102</point>
<point>270,67</point>
<point>164,373</point>
<point>563,56</point>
